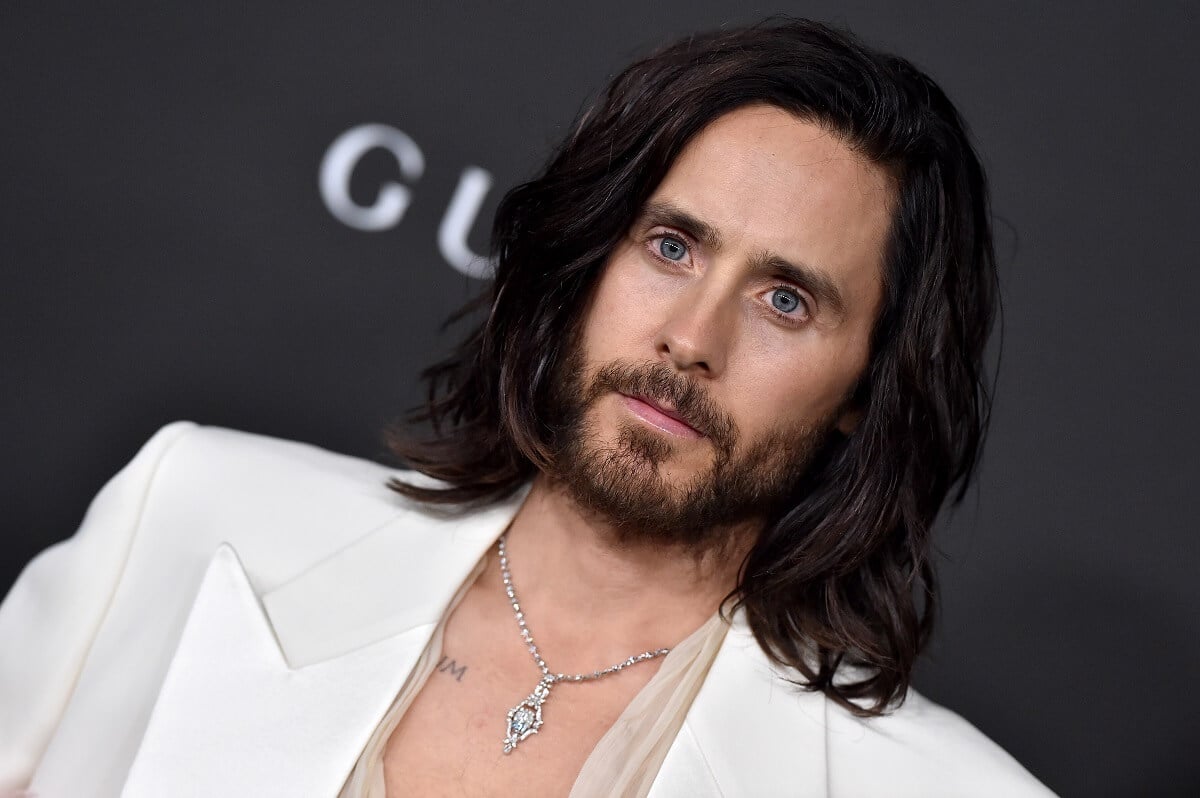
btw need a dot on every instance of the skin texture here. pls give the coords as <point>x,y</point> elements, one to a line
<point>771,186</point>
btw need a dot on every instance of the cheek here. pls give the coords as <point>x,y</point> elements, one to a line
<point>803,389</point>
<point>622,313</point>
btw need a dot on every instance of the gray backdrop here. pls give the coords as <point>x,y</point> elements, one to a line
<point>167,253</point>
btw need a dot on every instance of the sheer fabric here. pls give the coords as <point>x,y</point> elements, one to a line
<point>626,759</point>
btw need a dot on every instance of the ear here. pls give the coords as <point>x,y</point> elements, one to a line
<point>848,420</point>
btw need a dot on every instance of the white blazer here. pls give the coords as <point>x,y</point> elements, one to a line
<point>236,614</point>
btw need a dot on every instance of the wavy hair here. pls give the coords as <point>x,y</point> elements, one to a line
<point>842,576</point>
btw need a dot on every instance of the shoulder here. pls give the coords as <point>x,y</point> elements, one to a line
<point>226,468</point>
<point>231,457</point>
<point>282,504</point>
<point>792,735</point>
<point>921,749</point>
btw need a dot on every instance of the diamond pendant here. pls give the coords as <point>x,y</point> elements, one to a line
<point>526,717</point>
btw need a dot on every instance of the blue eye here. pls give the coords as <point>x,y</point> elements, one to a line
<point>672,248</point>
<point>785,300</point>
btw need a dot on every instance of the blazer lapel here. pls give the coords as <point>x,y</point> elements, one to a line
<point>395,578</point>
<point>748,732</point>
<point>284,690</point>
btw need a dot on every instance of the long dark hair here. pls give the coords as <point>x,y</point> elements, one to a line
<point>843,576</point>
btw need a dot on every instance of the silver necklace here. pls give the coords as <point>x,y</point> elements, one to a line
<point>526,717</point>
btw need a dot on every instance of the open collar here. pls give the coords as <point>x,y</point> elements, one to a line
<point>286,688</point>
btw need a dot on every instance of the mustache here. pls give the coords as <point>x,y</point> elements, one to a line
<point>661,383</point>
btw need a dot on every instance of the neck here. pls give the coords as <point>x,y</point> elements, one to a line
<point>595,590</point>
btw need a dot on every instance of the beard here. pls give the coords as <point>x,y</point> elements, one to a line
<point>621,482</point>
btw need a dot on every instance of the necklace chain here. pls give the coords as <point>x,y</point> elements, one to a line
<point>525,718</point>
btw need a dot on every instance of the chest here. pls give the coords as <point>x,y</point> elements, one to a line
<point>450,740</point>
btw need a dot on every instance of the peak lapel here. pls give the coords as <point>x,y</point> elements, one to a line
<point>278,695</point>
<point>748,732</point>
<point>233,719</point>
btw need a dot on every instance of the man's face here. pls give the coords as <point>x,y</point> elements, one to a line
<point>727,329</point>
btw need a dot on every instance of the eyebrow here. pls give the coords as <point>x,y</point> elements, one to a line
<point>666,214</point>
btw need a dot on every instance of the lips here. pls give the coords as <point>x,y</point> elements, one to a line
<point>658,415</point>
<point>666,411</point>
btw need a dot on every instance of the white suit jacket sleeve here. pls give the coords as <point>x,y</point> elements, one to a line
<point>54,610</point>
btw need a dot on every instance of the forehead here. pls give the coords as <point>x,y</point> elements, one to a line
<point>767,180</point>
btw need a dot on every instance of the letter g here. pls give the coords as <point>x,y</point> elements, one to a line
<point>339,162</point>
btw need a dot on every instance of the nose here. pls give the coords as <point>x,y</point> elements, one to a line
<point>698,331</point>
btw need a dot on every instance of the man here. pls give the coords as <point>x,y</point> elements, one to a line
<point>676,540</point>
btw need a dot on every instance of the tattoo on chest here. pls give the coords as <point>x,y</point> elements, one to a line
<point>450,666</point>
